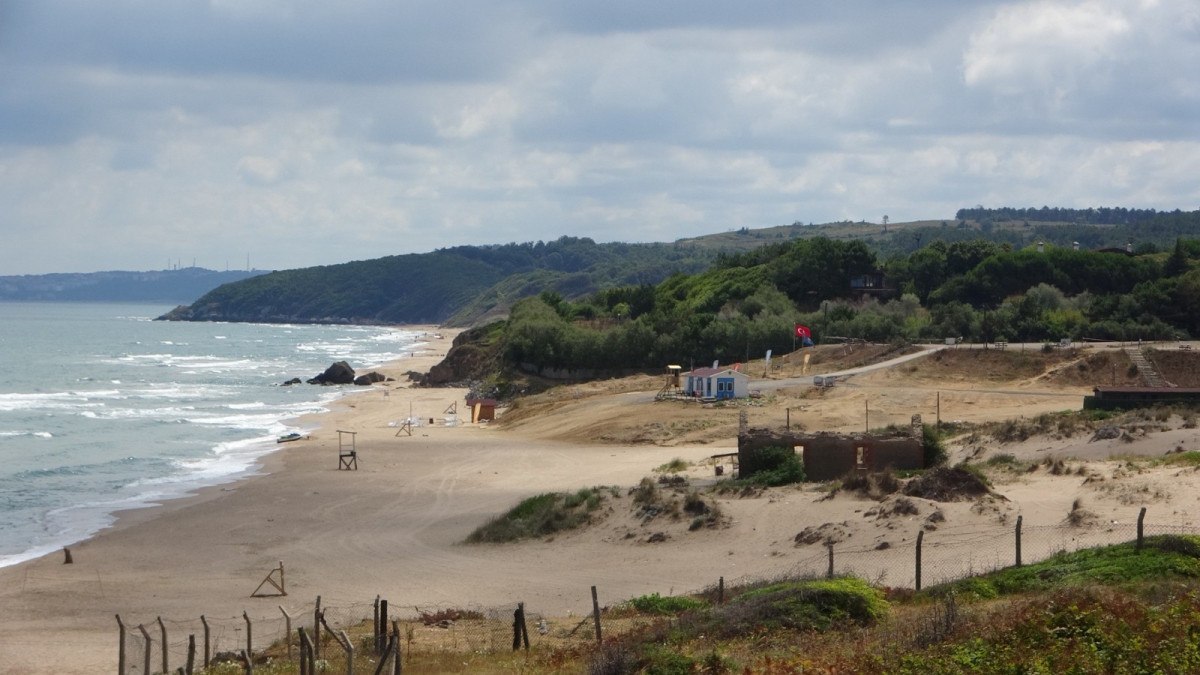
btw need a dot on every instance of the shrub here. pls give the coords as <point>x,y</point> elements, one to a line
<point>674,466</point>
<point>671,604</point>
<point>935,450</point>
<point>817,604</point>
<point>772,465</point>
<point>541,515</point>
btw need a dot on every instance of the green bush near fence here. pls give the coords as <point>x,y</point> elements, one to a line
<point>1162,558</point>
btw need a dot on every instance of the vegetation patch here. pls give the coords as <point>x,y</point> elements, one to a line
<point>1162,558</point>
<point>544,515</point>
<point>771,466</point>
<point>948,484</point>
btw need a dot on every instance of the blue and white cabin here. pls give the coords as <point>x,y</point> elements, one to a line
<point>718,383</point>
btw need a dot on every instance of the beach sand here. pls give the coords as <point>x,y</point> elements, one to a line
<point>394,527</point>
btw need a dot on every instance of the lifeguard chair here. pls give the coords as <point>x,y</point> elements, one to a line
<point>347,450</point>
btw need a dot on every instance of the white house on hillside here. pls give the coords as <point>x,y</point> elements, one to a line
<point>718,383</point>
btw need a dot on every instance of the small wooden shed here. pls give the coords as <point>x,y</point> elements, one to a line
<point>482,409</point>
<point>717,383</point>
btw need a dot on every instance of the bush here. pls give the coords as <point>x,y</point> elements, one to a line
<point>818,604</point>
<point>935,451</point>
<point>540,516</point>
<point>671,604</point>
<point>772,465</point>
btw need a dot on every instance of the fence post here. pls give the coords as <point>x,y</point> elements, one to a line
<point>1140,531</point>
<point>596,615</point>
<point>207,642</point>
<point>120,646</point>
<point>287,631</point>
<point>162,629</point>
<point>249,663</point>
<point>396,665</point>
<point>249,634</point>
<point>920,538</point>
<point>191,656</point>
<point>1019,540</point>
<point>721,591</point>
<point>829,572</point>
<point>146,650</point>
<point>375,625</point>
<point>383,625</point>
<point>317,630</point>
<point>517,626</point>
<point>349,654</point>
<point>305,651</point>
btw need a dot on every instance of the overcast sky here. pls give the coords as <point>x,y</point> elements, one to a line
<point>138,133</point>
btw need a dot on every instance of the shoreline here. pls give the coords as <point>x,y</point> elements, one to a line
<point>43,594</point>
<point>261,459</point>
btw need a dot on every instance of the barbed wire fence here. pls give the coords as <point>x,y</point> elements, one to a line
<point>932,557</point>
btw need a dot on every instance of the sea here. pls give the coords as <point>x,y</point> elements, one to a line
<point>103,409</point>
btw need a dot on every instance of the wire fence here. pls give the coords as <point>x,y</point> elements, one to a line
<point>933,556</point>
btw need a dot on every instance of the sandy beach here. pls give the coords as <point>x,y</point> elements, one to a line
<point>394,527</point>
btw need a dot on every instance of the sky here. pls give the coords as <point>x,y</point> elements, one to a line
<point>142,134</point>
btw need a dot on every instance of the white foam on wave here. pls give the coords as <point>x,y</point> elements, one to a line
<point>26,434</point>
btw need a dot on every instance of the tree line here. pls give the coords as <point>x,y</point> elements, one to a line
<point>976,289</point>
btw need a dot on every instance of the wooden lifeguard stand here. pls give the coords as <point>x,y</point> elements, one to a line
<point>347,450</point>
<point>674,384</point>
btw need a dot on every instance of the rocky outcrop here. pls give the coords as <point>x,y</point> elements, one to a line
<point>294,380</point>
<point>338,373</point>
<point>369,379</point>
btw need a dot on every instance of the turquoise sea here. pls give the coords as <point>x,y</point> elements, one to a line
<point>103,409</point>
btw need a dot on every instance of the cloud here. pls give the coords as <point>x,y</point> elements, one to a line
<point>310,133</point>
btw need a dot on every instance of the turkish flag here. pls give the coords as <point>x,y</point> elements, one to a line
<point>803,332</point>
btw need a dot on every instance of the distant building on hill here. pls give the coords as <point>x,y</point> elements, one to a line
<point>716,383</point>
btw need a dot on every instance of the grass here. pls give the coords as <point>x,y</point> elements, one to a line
<point>543,515</point>
<point>1163,558</point>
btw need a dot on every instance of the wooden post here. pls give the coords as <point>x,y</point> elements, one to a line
<point>383,623</point>
<point>305,651</point>
<point>397,667</point>
<point>249,634</point>
<point>375,626</point>
<point>287,635</point>
<point>317,630</point>
<point>517,626</point>
<point>721,591</point>
<point>207,642</point>
<point>939,410</point>
<point>162,630</point>
<point>524,626</point>
<point>829,572</point>
<point>388,651</point>
<point>146,650</point>
<point>596,615</point>
<point>248,662</point>
<point>120,646</point>
<point>867,415</point>
<point>349,653</point>
<point>191,656</point>
<point>920,538</point>
<point>788,419</point>
<point>1019,540</point>
<point>1140,531</point>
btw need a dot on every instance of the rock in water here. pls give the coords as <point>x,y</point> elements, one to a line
<point>338,373</point>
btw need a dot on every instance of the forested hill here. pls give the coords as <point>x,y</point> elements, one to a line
<point>462,284</point>
<point>469,284</point>
<point>161,286</point>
